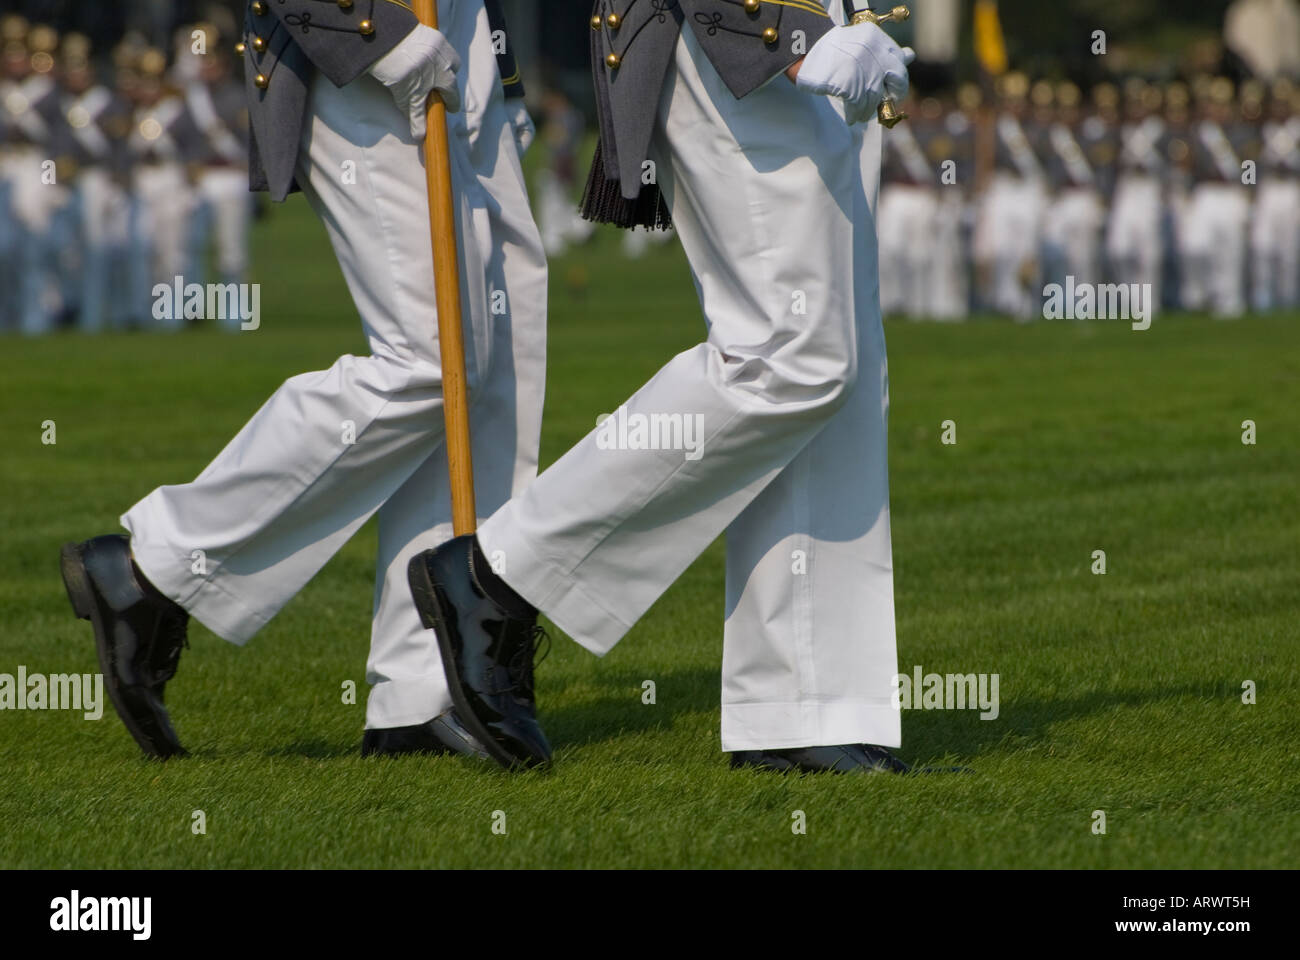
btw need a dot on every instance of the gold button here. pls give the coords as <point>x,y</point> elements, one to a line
<point>259,44</point>
<point>261,82</point>
<point>614,21</point>
<point>259,8</point>
<point>596,22</point>
<point>751,6</point>
<point>613,61</point>
<point>366,28</point>
<point>240,48</point>
<point>345,4</point>
<point>770,36</point>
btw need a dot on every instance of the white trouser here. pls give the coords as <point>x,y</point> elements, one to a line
<point>907,214</point>
<point>1134,241</point>
<point>224,210</point>
<point>1212,248</point>
<point>1007,238</point>
<point>163,203</point>
<point>769,201</point>
<point>105,212</point>
<point>947,289</point>
<point>1275,244</point>
<point>1071,234</point>
<point>331,448</point>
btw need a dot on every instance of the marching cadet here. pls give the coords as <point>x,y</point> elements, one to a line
<point>771,192</point>
<point>1177,156</point>
<point>1275,226</point>
<point>563,129</point>
<point>1134,235</point>
<point>95,124</point>
<point>35,191</point>
<point>163,143</point>
<point>908,204</point>
<point>1212,244</point>
<point>338,111</point>
<point>951,152</point>
<point>1072,227</point>
<point>1010,212</point>
<point>222,202</point>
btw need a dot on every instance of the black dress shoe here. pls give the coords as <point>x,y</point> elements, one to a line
<point>843,758</point>
<point>441,735</point>
<point>139,635</point>
<point>487,653</point>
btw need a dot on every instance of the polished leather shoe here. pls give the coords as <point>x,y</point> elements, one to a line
<point>139,635</point>
<point>843,758</point>
<point>443,734</point>
<point>487,653</point>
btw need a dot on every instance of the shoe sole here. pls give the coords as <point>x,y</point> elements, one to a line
<point>82,597</point>
<point>433,618</point>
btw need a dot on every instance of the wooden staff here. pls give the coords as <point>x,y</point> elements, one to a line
<point>446,279</point>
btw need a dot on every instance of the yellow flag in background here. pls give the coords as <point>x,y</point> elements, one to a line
<point>990,48</point>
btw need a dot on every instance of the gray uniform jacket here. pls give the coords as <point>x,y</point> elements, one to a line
<point>632,43</point>
<point>285,40</point>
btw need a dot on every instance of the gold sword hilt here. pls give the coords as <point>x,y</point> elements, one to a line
<point>887,113</point>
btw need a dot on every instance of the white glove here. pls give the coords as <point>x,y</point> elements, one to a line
<point>423,62</point>
<point>860,64</point>
<point>525,132</point>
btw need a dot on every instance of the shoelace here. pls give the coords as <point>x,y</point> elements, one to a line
<point>522,663</point>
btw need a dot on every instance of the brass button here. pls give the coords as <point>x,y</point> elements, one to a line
<point>596,22</point>
<point>259,44</point>
<point>259,8</point>
<point>770,36</point>
<point>261,82</point>
<point>614,21</point>
<point>613,61</point>
<point>240,48</point>
<point>366,27</point>
<point>345,4</point>
<point>751,6</point>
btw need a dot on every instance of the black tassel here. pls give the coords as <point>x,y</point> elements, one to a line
<point>603,201</point>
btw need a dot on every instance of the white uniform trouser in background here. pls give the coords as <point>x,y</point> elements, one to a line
<point>1134,242</point>
<point>1072,235</point>
<point>105,211</point>
<point>947,285</point>
<point>163,204</point>
<point>906,245</point>
<point>1006,241</point>
<point>331,448</point>
<point>1212,249</point>
<point>223,211</point>
<point>1275,244</point>
<point>768,198</point>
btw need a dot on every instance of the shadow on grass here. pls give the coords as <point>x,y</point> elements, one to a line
<point>619,709</point>
<point>1024,722</point>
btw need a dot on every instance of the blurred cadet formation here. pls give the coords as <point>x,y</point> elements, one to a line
<point>1110,159</point>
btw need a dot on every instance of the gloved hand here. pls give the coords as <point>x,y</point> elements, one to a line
<point>860,64</point>
<point>423,62</point>
<point>525,131</point>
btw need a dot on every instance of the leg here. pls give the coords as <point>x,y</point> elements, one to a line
<point>328,448</point>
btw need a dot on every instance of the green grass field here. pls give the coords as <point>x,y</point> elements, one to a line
<point>1120,693</point>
